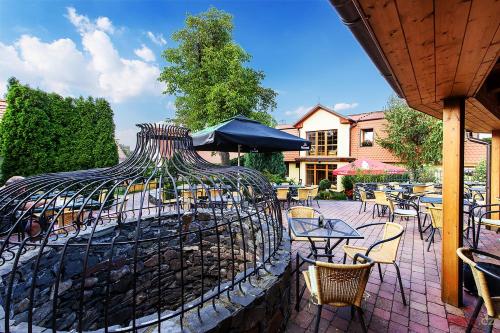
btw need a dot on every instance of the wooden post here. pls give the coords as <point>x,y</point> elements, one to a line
<point>453,194</point>
<point>495,170</point>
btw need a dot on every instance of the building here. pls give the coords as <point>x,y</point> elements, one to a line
<point>338,139</point>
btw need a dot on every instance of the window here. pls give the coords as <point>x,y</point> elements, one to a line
<point>367,137</point>
<point>316,172</point>
<point>323,143</point>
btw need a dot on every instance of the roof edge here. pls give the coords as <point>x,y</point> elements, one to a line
<point>316,108</point>
<point>350,16</point>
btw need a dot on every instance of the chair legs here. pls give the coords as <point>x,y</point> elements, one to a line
<point>318,318</point>
<point>380,272</point>
<point>400,283</point>
<point>474,314</point>
<point>361,319</point>
<point>431,239</point>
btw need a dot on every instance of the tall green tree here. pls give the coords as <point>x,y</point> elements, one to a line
<point>45,132</point>
<point>208,76</point>
<point>414,137</point>
<point>270,162</point>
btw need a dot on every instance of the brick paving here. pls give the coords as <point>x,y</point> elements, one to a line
<point>383,307</point>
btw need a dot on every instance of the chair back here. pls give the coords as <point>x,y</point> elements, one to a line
<point>215,193</point>
<point>381,198</point>
<point>362,194</point>
<point>338,284</point>
<point>303,193</point>
<point>390,248</point>
<point>282,194</point>
<point>303,212</point>
<point>436,216</point>
<point>314,191</point>
<point>417,189</point>
<point>480,279</point>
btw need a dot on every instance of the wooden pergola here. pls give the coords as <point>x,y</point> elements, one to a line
<point>442,57</point>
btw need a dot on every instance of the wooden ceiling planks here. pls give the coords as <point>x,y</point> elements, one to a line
<point>487,64</point>
<point>383,18</point>
<point>482,25</point>
<point>417,22</point>
<point>451,22</point>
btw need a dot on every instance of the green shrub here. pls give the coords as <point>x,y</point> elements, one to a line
<point>479,173</point>
<point>273,178</point>
<point>45,132</point>
<point>426,175</point>
<point>348,182</point>
<point>324,184</point>
<point>337,196</point>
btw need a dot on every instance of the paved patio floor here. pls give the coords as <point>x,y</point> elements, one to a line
<point>383,307</point>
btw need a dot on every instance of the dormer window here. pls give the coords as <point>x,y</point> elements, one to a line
<point>367,137</point>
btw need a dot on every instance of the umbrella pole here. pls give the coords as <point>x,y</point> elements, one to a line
<point>239,151</point>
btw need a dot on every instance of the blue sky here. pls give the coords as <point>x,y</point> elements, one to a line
<point>113,49</point>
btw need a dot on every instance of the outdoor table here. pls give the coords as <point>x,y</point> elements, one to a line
<point>74,204</point>
<point>480,189</point>
<point>332,229</point>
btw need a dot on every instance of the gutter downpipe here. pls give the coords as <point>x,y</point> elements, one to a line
<point>488,164</point>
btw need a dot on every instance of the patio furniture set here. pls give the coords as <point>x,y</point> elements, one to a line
<point>341,284</point>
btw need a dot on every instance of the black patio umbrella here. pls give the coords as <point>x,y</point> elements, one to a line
<point>240,134</point>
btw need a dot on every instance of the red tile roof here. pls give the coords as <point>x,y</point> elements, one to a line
<point>368,116</point>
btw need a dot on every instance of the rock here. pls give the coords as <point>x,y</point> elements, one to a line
<point>170,254</point>
<point>21,306</point>
<point>151,262</point>
<point>119,273</point>
<point>191,248</point>
<point>66,322</point>
<point>175,264</point>
<point>63,286</point>
<point>90,282</point>
<point>203,216</point>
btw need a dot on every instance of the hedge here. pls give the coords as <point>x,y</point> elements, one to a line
<point>45,132</point>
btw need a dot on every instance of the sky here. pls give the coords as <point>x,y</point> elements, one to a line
<point>112,49</point>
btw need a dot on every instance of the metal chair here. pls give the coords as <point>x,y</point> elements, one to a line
<point>380,201</point>
<point>338,284</point>
<point>405,209</point>
<point>491,303</point>
<point>436,214</point>
<point>480,217</point>
<point>313,194</point>
<point>302,195</point>
<point>384,251</point>
<point>363,196</point>
<point>283,197</point>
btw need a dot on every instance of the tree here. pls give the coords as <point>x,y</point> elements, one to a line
<point>45,132</point>
<point>414,137</point>
<point>266,162</point>
<point>207,74</point>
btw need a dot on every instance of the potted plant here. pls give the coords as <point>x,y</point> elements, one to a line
<point>347,183</point>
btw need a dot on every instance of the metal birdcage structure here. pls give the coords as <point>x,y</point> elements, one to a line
<point>135,245</point>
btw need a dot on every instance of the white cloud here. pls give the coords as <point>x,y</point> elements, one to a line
<point>300,111</point>
<point>61,67</point>
<point>345,106</point>
<point>145,53</point>
<point>170,106</point>
<point>157,39</point>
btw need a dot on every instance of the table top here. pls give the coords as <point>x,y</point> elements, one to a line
<point>76,204</point>
<point>478,188</point>
<point>434,200</point>
<point>400,190</point>
<point>332,228</point>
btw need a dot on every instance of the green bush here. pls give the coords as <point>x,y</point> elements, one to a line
<point>44,132</point>
<point>331,195</point>
<point>270,162</point>
<point>426,175</point>
<point>324,184</point>
<point>385,178</point>
<point>273,178</point>
<point>479,173</point>
<point>348,182</point>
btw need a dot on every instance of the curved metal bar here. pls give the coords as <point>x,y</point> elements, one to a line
<point>222,223</point>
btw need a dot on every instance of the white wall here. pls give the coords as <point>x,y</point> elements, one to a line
<point>324,120</point>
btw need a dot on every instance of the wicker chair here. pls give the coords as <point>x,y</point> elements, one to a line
<point>283,197</point>
<point>410,210</point>
<point>337,284</point>
<point>302,195</point>
<point>384,251</point>
<point>380,201</point>
<point>313,194</point>
<point>364,199</point>
<point>304,212</point>
<point>492,304</point>
<point>479,217</point>
<point>436,214</point>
